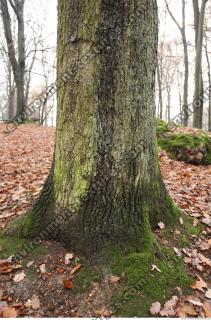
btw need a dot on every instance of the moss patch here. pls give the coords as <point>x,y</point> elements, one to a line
<point>184,145</point>
<point>84,279</point>
<point>141,286</point>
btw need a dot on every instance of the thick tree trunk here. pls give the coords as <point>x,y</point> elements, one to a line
<point>160,91</point>
<point>105,185</point>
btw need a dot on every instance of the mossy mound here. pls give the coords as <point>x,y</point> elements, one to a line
<point>185,144</point>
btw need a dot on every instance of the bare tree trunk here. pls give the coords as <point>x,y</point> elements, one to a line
<point>198,90</point>
<point>182,30</point>
<point>160,91</point>
<point>209,81</point>
<point>105,186</point>
<point>18,65</point>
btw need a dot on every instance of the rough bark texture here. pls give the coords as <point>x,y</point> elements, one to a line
<point>105,185</point>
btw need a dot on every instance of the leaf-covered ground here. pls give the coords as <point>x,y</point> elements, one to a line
<point>48,282</point>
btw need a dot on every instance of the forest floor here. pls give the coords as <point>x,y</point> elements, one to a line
<point>51,281</point>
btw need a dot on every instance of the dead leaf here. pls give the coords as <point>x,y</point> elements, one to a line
<point>169,307</point>
<point>185,310</point>
<point>181,221</point>
<point>114,279</point>
<point>103,313</point>
<point>68,258</point>
<point>43,268</point>
<point>207,308</point>
<point>161,225</point>
<point>8,312</point>
<point>208,294</point>
<point>155,308</point>
<point>207,221</point>
<point>195,301</point>
<point>1,294</point>
<point>177,251</point>
<point>19,277</point>
<point>75,269</point>
<point>68,284</point>
<point>30,263</point>
<point>199,284</point>
<point>33,303</point>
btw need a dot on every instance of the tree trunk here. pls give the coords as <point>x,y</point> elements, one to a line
<point>198,90</point>
<point>186,77</point>
<point>105,186</point>
<point>209,81</point>
<point>160,91</point>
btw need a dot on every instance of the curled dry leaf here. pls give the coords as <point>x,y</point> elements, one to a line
<point>30,263</point>
<point>200,284</point>
<point>19,277</point>
<point>68,258</point>
<point>155,308</point>
<point>207,221</point>
<point>195,301</point>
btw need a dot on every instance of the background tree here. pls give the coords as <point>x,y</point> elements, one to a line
<point>105,184</point>
<point>182,29</point>
<point>17,62</point>
<point>198,79</point>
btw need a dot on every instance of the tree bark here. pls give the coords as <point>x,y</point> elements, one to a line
<point>105,186</point>
<point>160,91</point>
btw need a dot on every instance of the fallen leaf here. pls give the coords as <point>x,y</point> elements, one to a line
<point>207,308</point>
<point>208,294</point>
<point>177,252</point>
<point>43,268</point>
<point>155,308</point>
<point>114,279</point>
<point>68,258</point>
<point>75,269</point>
<point>19,277</point>
<point>169,307</point>
<point>30,263</point>
<point>33,303</point>
<point>161,225</point>
<point>8,312</point>
<point>207,221</point>
<point>1,294</point>
<point>185,310</point>
<point>181,221</point>
<point>68,284</point>
<point>199,284</point>
<point>103,313</point>
<point>195,301</point>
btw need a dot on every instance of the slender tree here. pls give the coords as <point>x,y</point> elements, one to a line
<point>182,29</point>
<point>198,89</point>
<point>17,63</point>
<point>105,185</point>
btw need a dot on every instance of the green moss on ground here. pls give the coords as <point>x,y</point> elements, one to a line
<point>141,286</point>
<point>84,279</point>
<point>13,245</point>
<point>177,142</point>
